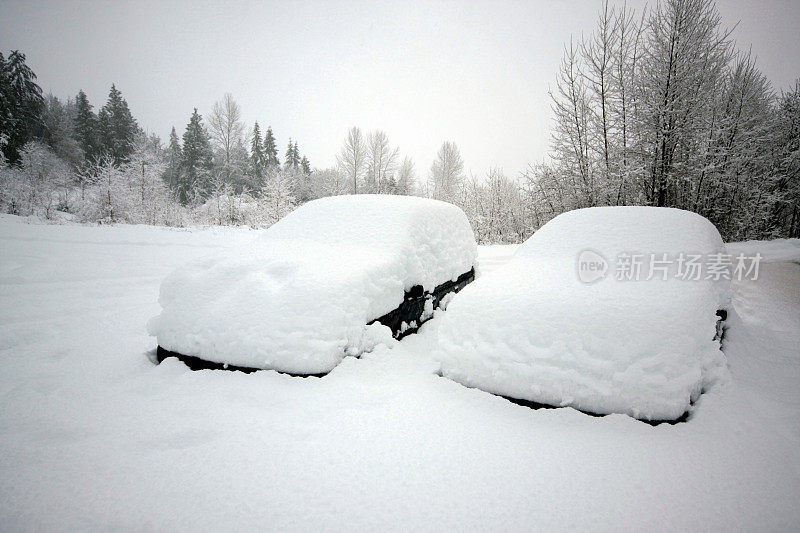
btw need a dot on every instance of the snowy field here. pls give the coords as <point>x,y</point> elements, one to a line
<point>95,436</point>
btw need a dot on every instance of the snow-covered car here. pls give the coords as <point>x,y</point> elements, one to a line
<point>333,278</point>
<point>569,321</point>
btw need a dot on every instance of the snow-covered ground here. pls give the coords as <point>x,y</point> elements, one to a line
<point>94,436</point>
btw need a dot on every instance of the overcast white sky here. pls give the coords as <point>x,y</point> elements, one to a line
<point>476,73</point>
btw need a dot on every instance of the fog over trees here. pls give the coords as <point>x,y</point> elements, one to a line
<point>653,108</point>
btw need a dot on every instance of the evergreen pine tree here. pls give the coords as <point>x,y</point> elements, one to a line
<point>21,104</point>
<point>257,156</point>
<point>118,128</point>
<point>305,165</point>
<point>174,159</point>
<point>5,106</point>
<point>85,127</point>
<point>290,155</point>
<point>271,150</point>
<point>295,156</point>
<point>195,175</point>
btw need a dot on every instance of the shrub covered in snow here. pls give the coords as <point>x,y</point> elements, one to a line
<point>38,187</point>
<point>298,299</point>
<point>534,330</point>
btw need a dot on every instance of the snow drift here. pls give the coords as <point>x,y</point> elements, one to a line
<point>298,299</point>
<point>533,330</point>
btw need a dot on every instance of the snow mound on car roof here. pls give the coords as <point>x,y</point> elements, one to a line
<point>298,298</point>
<point>539,329</point>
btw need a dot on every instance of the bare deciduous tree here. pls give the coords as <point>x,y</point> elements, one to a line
<point>353,157</point>
<point>227,135</point>
<point>405,177</point>
<point>447,173</point>
<point>381,161</point>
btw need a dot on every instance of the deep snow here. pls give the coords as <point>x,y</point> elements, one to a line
<point>534,330</point>
<point>94,436</point>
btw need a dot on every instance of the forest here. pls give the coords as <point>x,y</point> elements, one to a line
<point>656,108</point>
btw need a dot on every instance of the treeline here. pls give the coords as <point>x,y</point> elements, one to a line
<point>656,108</point>
<point>61,159</point>
<point>660,109</point>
